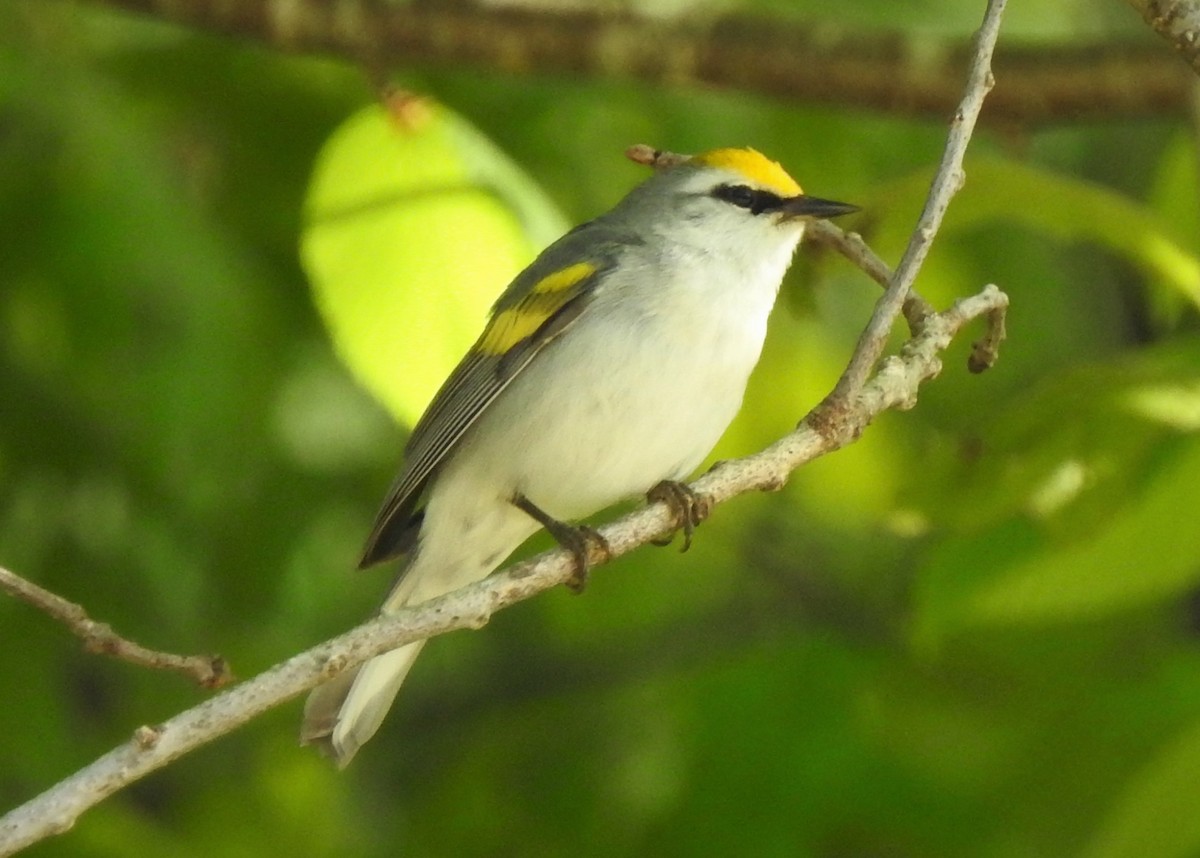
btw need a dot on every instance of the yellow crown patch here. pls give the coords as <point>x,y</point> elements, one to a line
<point>754,166</point>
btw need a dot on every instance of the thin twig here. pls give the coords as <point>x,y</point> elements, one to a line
<point>986,351</point>
<point>210,671</point>
<point>895,386</point>
<point>852,246</point>
<point>948,180</point>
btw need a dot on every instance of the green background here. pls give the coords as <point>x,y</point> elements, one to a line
<point>974,632</point>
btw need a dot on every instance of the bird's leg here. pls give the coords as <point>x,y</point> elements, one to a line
<point>690,508</point>
<point>576,538</point>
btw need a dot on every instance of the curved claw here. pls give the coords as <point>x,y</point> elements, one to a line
<point>690,507</point>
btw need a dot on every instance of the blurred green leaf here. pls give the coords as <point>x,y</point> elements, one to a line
<point>1068,450</point>
<point>1157,813</point>
<point>415,223</point>
<point>1110,569</point>
<point>1071,505</point>
<point>1174,196</point>
<point>1055,204</point>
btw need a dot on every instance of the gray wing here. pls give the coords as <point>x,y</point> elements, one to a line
<point>481,377</point>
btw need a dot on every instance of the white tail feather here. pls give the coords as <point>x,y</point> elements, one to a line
<point>343,714</point>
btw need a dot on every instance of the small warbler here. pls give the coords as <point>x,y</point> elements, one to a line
<point>611,364</point>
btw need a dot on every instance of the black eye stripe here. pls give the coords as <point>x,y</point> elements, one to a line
<point>739,195</point>
<point>746,197</point>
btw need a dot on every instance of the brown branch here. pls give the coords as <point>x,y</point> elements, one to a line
<point>1177,21</point>
<point>774,57</point>
<point>210,671</point>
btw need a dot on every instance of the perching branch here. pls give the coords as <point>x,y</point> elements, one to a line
<point>210,671</point>
<point>781,58</point>
<point>895,383</point>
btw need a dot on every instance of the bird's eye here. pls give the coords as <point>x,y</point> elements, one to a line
<point>740,195</point>
<point>745,197</point>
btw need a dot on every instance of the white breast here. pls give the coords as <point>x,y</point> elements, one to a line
<point>640,389</point>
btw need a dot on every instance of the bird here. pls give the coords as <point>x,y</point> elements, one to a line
<point>610,366</point>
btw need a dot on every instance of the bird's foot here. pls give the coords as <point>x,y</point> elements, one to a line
<point>579,539</point>
<point>690,508</point>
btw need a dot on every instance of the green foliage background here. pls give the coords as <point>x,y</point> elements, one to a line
<point>975,632</point>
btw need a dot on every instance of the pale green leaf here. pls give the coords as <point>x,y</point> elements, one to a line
<point>1114,568</point>
<point>415,223</point>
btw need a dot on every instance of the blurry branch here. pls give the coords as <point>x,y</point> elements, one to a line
<point>210,671</point>
<point>815,63</point>
<point>894,384</point>
<point>1177,21</point>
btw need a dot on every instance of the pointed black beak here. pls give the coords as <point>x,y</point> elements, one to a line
<point>805,206</point>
